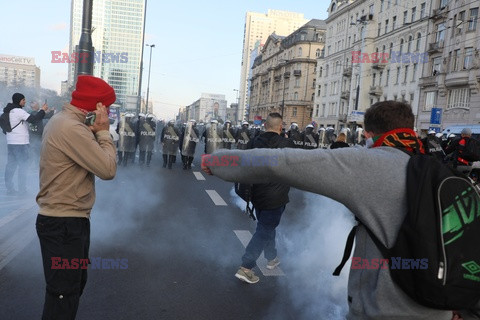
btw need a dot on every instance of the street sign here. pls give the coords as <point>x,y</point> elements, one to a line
<point>436,129</point>
<point>436,116</point>
<point>356,116</point>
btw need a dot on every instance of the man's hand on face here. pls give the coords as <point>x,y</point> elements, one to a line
<point>45,107</point>
<point>101,121</point>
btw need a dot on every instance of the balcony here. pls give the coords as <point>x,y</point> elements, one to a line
<point>375,91</point>
<point>438,14</point>
<point>286,75</point>
<point>379,65</point>
<point>435,47</point>
<point>347,72</point>
<point>345,95</point>
<point>297,73</point>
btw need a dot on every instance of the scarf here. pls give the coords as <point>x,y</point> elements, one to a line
<point>403,138</point>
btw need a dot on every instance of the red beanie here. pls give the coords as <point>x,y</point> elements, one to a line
<point>89,91</point>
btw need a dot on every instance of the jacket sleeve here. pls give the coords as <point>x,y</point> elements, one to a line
<point>37,117</point>
<point>95,153</point>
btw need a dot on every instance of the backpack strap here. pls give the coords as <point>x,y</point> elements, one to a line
<point>347,252</point>
<point>21,121</point>
<point>349,246</point>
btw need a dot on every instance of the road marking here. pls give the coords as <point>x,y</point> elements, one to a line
<point>216,198</point>
<point>198,175</point>
<point>244,236</point>
<point>16,213</point>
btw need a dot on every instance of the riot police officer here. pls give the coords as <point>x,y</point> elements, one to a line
<point>189,140</point>
<point>310,138</point>
<point>170,140</point>
<point>147,127</point>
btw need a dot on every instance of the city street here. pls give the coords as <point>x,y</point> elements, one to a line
<point>182,234</point>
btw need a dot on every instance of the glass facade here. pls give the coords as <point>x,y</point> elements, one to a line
<point>118,42</point>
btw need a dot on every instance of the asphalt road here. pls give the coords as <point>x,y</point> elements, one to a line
<point>182,239</point>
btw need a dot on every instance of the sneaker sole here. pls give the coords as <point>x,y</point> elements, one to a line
<point>245,279</point>
<point>273,267</point>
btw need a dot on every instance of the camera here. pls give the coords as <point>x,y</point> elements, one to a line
<point>90,118</point>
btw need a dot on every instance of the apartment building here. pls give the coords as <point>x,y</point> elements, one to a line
<point>258,27</point>
<point>375,51</point>
<point>449,86</point>
<point>283,75</point>
<point>19,71</point>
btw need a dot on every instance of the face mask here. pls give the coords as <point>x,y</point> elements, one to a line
<point>369,143</point>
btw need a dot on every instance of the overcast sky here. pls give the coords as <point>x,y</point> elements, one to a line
<point>198,44</point>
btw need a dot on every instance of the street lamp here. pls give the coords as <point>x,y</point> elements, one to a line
<point>149,69</point>
<point>238,104</point>
<point>283,94</point>
<point>364,26</point>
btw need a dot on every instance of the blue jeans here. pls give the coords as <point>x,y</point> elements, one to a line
<point>264,237</point>
<point>17,157</point>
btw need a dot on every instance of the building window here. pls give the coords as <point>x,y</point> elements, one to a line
<point>436,65</point>
<point>409,45</point>
<point>319,90</point>
<point>387,79</point>
<point>398,76</point>
<point>412,96</point>
<point>317,109</point>
<point>370,9</point>
<point>459,98</point>
<point>419,37</point>
<point>440,32</point>
<point>405,77</point>
<point>456,60</point>
<point>467,62</point>
<point>472,25</point>
<point>414,73</point>
<point>379,29</point>
<point>320,72</point>
<point>297,82</point>
<point>414,13</point>
<point>386,26</point>
<point>390,50</point>
<point>401,46</point>
<point>381,5</point>
<point>300,52</point>
<point>422,10</point>
<point>325,90</point>
<point>405,16</point>
<point>380,75</point>
<point>461,17</point>
<point>317,53</point>
<point>324,107</point>
<point>374,76</point>
<point>443,3</point>
<point>394,22</point>
<point>295,97</point>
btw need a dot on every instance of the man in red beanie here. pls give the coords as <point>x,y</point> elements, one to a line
<point>73,153</point>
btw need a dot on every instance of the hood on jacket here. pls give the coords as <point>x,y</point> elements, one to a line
<point>268,140</point>
<point>11,106</point>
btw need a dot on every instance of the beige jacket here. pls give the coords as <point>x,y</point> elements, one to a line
<point>70,159</point>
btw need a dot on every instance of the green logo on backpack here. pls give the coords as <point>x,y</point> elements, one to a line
<point>463,211</point>
<point>473,268</point>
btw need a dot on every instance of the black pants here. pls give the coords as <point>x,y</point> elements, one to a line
<point>142,155</point>
<point>65,238</point>
<point>168,160</point>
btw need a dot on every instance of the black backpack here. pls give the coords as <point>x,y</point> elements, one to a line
<point>472,150</point>
<point>244,191</point>
<point>5,123</point>
<point>439,238</point>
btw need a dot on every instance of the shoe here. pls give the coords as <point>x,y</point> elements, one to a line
<point>272,264</point>
<point>246,275</point>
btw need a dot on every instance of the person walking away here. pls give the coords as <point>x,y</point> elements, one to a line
<point>269,201</point>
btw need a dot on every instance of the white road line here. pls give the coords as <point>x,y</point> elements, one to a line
<point>16,213</point>
<point>244,236</point>
<point>198,175</point>
<point>216,198</point>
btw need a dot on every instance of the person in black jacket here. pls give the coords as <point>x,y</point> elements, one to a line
<point>340,142</point>
<point>269,201</point>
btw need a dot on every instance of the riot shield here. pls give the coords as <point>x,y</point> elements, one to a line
<point>310,140</point>
<point>228,136</point>
<point>243,137</point>
<point>190,140</point>
<point>170,140</point>
<point>126,142</point>
<point>214,138</point>
<point>147,135</point>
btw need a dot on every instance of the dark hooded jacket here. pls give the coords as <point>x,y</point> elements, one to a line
<point>268,196</point>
